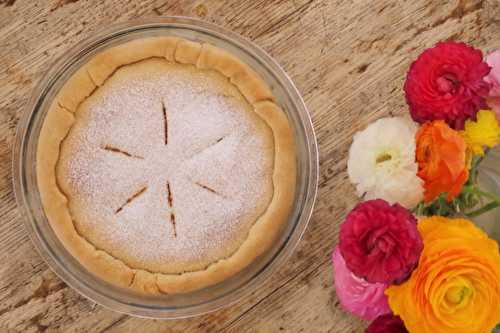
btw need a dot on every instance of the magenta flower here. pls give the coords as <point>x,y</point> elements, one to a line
<point>380,242</point>
<point>388,323</point>
<point>363,299</point>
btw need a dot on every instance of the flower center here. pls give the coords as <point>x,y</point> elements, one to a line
<point>380,241</point>
<point>457,295</point>
<point>447,84</point>
<point>385,244</point>
<point>383,158</point>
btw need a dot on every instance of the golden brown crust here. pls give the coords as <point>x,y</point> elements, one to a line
<point>170,47</point>
<point>59,121</point>
<point>187,52</point>
<point>250,85</point>
<point>107,62</point>
<point>241,75</point>
<point>212,57</point>
<point>76,89</point>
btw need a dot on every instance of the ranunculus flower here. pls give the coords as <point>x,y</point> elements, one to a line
<point>380,242</point>
<point>484,132</point>
<point>446,83</point>
<point>364,299</point>
<point>441,158</point>
<point>388,323</point>
<point>493,78</point>
<point>382,162</point>
<point>456,286</point>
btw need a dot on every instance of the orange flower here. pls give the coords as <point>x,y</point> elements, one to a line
<point>456,285</point>
<point>441,158</point>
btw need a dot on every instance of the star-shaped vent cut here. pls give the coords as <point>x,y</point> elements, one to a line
<point>168,189</point>
<point>167,166</point>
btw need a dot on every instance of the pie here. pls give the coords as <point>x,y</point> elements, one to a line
<point>166,165</point>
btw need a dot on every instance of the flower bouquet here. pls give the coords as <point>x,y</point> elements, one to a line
<point>409,259</point>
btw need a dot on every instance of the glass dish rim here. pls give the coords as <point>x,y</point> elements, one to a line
<point>133,309</point>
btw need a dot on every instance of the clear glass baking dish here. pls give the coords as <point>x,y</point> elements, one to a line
<point>489,180</point>
<point>174,306</point>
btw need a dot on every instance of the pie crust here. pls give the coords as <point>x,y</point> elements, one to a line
<point>62,116</point>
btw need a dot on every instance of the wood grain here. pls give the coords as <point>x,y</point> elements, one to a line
<point>348,58</point>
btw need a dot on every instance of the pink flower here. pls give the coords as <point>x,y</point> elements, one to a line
<point>446,82</point>
<point>364,299</point>
<point>493,100</point>
<point>380,242</point>
<point>387,324</point>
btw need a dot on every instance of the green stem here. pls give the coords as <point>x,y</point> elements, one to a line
<point>474,190</point>
<point>469,189</point>
<point>474,170</point>
<point>488,195</point>
<point>484,209</point>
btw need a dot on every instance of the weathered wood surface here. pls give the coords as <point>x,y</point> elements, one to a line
<point>348,59</point>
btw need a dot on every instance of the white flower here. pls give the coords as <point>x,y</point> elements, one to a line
<point>382,162</point>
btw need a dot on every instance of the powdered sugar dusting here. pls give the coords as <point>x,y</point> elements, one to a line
<point>167,167</point>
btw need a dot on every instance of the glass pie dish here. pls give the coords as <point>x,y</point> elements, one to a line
<point>175,305</point>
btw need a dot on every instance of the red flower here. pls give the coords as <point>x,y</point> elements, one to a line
<point>380,242</point>
<point>388,323</point>
<point>446,83</point>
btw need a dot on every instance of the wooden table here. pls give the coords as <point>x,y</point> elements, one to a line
<point>348,59</point>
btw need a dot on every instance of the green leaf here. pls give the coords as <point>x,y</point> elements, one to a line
<point>464,204</point>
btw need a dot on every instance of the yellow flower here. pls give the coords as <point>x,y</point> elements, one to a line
<point>456,286</point>
<point>483,132</point>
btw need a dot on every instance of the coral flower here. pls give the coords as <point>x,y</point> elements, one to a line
<point>364,299</point>
<point>380,242</point>
<point>456,286</point>
<point>485,132</point>
<point>441,158</point>
<point>446,82</point>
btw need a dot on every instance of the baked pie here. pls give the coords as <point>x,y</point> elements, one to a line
<point>165,165</point>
